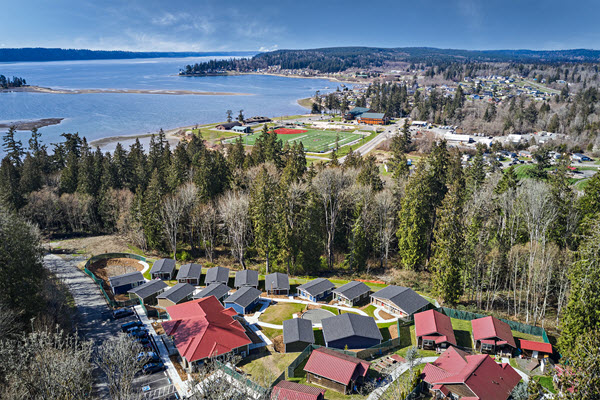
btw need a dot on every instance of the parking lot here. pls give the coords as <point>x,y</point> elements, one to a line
<point>153,386</point>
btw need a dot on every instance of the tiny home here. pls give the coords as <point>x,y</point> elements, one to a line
<point>243,300</point>
<point>147,292</point>
<point>190,273</point>
<point>217,275</point>
<point>277,284</point>
<point>351,331</point>
<point>163,269</point>
<point>316,290</point>
<point>179,293</point>
<point>122,283</point>
<point>352,293</point>
<point>246,277</point>
<point>348,372</point>
<point>297,334</point>
<point>220,291</point>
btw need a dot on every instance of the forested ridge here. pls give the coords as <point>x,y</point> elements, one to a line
<point>58,54</point>
<point>337,59</point>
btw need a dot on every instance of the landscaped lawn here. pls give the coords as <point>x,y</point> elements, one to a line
<point>271,333</point>
<point>370,310</point>
<point>546,382</point>
<point>462,332</point>
<point>280,312</point>
<point>526,336</point>
<point>269,366</point>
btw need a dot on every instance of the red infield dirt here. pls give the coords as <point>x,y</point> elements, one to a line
<point>287,131</point>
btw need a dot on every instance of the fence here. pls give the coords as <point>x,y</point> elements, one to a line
<point>515,326</point>
<point>379,349</point>
<point>241,378</point>
<point>112,303</point>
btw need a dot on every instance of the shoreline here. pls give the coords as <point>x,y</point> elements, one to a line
<point>26,125</point>
<point>328,78</point>
<point>176,92</point>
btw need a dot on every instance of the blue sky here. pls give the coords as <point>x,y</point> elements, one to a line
<point>208,25</point>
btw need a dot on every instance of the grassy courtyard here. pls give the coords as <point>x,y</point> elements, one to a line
<point>280,312</point>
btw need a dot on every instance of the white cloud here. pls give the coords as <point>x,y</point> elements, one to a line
<point>264,49</point>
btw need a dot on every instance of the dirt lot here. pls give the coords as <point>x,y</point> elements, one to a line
<point>91,245</point>
<point>107,268</point>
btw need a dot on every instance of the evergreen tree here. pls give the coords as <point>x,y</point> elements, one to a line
<point>10,191</point>
<point>237,154</point>
<point>13,147</point>
<point>122,168</point>
<point>137,163</point>
<point>70,174</point>
<point>414,219</point>
<point>151,209</point>
<point>241,117</point>
<point>447,258</point>
<point>369,174</point>
<point>31,176</point>
<point>179,168</point>
<point>263,214</point>
<point>582,314</point>
<point>509,181</point>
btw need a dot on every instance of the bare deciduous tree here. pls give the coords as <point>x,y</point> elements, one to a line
<point>206,218</point>
<point>385,222</point>
<point>117,358</point>
<point>331,186</point>
<point>233,207</point>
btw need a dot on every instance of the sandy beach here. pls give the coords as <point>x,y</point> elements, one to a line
<point>39,89</point>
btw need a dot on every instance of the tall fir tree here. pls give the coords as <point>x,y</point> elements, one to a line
<point>447,254</point>
<point>263,215</point>
<point>151,211</point>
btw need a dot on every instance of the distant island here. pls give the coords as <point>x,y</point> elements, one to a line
<point>339,59</point>
<point>57,54</point>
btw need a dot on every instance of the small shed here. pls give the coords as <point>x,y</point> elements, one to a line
<point>220,291</point>
<point>286,390</point>
<point>277,284</point>
<point>243,300</point>
<point>433,330</point>
<point>217,275</point>
<point>297,334</point>
<point>246,277</point>
<point>399,301</point>
<point>122,283</point>
<point>316,290</point>
<point>352,293</point>
<point>533,349</point>
<point>493,336</point>
<point>190,273</point>
<point>352,331</point>
<point>147,292</point>
<point>179,293</point>
<point>242,129</point>
<point>163,269</point>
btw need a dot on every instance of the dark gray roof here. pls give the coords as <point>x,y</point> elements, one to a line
<point>126,279</point>
<point>149,288</point>
<point>244,297</point>
<point>214,289</point>
<point>216,275</point>
<point>404,298</point>
<point>349,324</point>
<point>164,266</point>
<point>246,277</point>
<point>177,292</point>
<point>190,271</point>
<point>352,290</point>
<point>317,286</point>
<point>277,281</point>
<point>298,330</point>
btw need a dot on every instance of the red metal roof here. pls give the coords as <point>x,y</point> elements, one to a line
<point>203,328</point>
<point>442,389</point>
<point>430,322</point>
<point>535,346</point>
<point>336,366</point>
<point>487,379</point>
<point>492,328</point>
<point>286,390</point>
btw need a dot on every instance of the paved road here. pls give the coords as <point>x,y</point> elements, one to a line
<point>95,323</point>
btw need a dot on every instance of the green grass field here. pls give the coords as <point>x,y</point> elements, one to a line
<point>314,141</point>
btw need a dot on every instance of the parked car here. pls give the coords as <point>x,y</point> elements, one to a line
<point>144,341</point>
<point>128,325</point>
<point>122,313</point>
<point>153,367</point>
<point>138,333</point>
<point>136,328</point>
<point>148,357</point>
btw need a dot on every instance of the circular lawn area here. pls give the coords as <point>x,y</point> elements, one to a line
<point>316,315</point>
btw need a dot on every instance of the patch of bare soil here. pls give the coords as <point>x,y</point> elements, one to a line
<point>91,245</point>
<point>110,267</point>
<point>158,328</point>
<point>393,329</point>
<point>385,315</point>
<point>179,368</point>
<point>278,344</point>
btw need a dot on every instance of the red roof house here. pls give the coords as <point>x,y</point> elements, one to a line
<point>335,370</point>
<point>491,335</point>
<point>470,376</point>
<point>286,390</point>
<point>434,330</point>
<point>203,328</point>
<point>535,349</point>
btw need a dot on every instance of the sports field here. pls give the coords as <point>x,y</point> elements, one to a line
<point>314,141</point>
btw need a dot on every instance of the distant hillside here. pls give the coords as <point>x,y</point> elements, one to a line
<point>55,54</point>
<point>336,59</point>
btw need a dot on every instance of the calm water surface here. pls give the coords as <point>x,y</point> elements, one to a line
<point>102,115</point>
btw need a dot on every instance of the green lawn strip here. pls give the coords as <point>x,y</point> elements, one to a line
<point>463,332</point>
<point>526,336</point>
<point>332,310</point>
<point>370,310</point>
<point>319,337</point>
<point>546,382</point>
<point>266,366</point>
<point>271,333</point>
<point>280,312</point>
<point>346,149</point>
